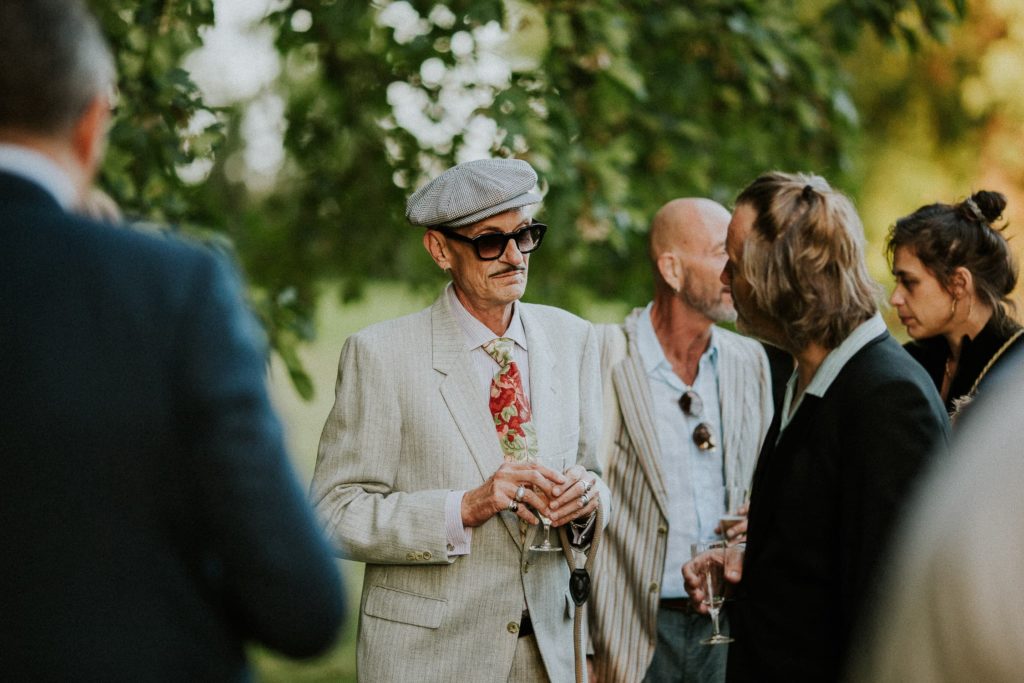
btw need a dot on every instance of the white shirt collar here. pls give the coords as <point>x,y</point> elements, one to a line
<point>41,170</point>
<point>478,334</point>
<point>841,355</point>
<point>832,365</point>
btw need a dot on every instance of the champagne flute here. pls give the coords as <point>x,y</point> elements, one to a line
<point>713,552</point>
<point>545,546</point>
<point>735,500</point>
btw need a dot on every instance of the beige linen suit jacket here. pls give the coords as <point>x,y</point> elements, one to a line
<point>630,562</point>
<point>408,425</point>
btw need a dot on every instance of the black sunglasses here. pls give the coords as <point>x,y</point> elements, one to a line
<point>491,245</point>
<point>692,405</point>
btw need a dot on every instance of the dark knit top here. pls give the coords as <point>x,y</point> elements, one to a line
<point>974,356</point>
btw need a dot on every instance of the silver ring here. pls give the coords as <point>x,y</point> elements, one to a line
<point>513,506</point>
<point>520,492</point>
<point>586,486</point>
<point>584,499</point>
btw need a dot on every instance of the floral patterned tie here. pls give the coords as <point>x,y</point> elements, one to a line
<point>509,405</point>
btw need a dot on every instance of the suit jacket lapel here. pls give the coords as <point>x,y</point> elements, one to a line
<point>633,390</point>
<point>461,394</point>
<point>772,465</point>
<point>543,392</point>
<point>767,448</point>
<point>728,393</point>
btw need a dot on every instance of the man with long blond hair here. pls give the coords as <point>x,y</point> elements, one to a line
<point>858,422</point>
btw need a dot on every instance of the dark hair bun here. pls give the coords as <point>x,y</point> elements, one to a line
<point>991,204</point>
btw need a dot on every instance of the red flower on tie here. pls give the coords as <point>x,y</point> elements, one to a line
<point>509,405</point>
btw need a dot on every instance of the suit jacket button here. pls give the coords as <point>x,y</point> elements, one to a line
<point>427,555</point>
<point>513,627</point>
<point>653,587</point>
<point>451,548</point>
<point>662,529</point>
<point>410,556</point>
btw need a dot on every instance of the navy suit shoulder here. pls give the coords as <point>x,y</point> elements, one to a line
<point>153,523</point>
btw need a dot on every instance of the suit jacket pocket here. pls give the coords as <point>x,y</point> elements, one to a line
<point>405,607</point>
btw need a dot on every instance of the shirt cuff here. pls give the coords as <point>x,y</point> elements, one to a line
<point>457,535</point>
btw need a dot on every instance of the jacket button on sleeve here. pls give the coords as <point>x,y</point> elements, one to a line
<point>427,555</point>
<point>513,627</point>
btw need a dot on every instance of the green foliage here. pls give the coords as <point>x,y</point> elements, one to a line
<point>892,20</point>
<point>157,99</point>
<point>619,105</point>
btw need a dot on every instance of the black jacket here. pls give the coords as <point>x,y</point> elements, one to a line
<point>974,356</point>
<point>823,502</point>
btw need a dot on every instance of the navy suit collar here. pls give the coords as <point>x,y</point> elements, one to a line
<point>15,189</point>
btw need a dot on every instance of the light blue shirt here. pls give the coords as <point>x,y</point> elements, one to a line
<point>830,367</point>
<point>694,479</point>
<point>41,170</point>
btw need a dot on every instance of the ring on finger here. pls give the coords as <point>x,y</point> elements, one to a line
<point>586,486</point>
<point>520,492</point>
<point>584,499</point>
<point>513,506</point>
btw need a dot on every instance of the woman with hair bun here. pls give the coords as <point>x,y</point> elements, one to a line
<point>954,272</point>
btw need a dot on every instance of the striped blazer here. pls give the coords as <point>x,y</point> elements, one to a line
<point>630,562</point>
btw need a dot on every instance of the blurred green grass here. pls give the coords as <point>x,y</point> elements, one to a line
<point>303,423</point>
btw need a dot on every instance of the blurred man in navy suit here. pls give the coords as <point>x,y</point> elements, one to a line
<point>149,519</point>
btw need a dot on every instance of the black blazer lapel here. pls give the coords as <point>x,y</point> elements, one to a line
<point>770,466</point>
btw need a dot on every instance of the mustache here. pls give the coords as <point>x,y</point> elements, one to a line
<point>510,269</point>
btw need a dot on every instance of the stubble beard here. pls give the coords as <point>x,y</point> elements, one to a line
<point>714,308</point>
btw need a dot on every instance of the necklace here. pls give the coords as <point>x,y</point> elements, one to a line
<point>949,367</point>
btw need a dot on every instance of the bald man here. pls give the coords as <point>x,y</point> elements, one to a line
<point>687,405</point>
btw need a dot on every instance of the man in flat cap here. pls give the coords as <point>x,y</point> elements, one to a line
<point>450,427</point>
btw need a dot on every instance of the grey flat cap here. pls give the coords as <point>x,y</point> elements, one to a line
<point>473,191</point>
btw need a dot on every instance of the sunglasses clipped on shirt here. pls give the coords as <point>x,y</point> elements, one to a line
<point>491,245</point>
<point>693,406</point>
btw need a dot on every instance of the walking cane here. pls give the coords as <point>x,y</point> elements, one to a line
<point>579,588</point>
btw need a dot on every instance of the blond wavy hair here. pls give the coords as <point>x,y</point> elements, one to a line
<point>804,259</point>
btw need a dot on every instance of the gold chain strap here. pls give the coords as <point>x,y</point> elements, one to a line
<point>962,402</point>
<point>993,359</point>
